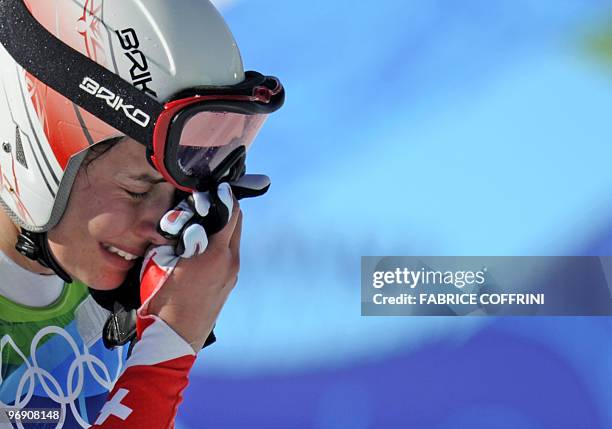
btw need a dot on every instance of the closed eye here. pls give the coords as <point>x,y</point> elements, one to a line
<point>137,195</point>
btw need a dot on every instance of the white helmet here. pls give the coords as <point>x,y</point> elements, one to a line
<point>161,47</point>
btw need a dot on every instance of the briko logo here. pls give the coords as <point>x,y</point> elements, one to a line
<point>139,71</point>
<point>114,101</point>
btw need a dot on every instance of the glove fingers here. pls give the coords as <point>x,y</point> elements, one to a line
<point>224,192</point>
<point>193,241</point>
<point>173,221</point>
<point>201,202</point>
<point>222,204</point>
<point>192,220</point>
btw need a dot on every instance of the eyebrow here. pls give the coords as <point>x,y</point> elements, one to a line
<point>147,178</point>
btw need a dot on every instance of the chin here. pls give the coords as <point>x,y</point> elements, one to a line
<point>108,282</point>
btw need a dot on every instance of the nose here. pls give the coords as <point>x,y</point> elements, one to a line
<point>146,230</point>
<point>145,224</point>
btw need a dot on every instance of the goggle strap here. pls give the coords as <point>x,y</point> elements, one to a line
<point>75,76</point>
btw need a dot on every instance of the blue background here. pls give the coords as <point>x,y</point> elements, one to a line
<point>416,128</point>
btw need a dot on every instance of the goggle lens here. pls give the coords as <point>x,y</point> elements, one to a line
<point>208,137</point>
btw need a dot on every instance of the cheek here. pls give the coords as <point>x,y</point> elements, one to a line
<point>112,223</point>
<point>104,214</point>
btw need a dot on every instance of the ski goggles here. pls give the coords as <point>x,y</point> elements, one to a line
<point>201,138</point>
<point>196,139</point>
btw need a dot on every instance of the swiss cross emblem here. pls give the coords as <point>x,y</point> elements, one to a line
<point>114,407</point>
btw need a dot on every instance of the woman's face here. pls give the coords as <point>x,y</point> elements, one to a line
<point>111,217</point>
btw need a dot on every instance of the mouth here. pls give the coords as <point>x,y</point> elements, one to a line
<point>127,256</point>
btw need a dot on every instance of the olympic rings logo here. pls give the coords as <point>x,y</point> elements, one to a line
<point>52,388</point>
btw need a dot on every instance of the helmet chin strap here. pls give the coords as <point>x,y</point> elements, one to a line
<point>35,246</point>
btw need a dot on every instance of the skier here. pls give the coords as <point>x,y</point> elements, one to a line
<point>123,130</point>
